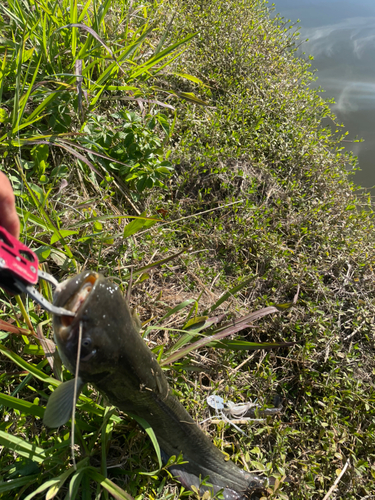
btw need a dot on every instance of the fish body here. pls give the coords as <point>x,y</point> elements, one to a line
<point>116,360</point>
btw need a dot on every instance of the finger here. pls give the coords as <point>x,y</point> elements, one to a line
<point>8,215</point>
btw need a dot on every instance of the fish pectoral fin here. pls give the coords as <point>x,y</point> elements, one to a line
<point>60,403</point>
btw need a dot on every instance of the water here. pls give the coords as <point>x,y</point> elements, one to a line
<point>342,40</point>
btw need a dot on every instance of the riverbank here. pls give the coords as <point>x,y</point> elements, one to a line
<point>261,200</point>
<point>299,222</point>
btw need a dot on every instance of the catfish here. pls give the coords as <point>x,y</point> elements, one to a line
<point>115,359</point>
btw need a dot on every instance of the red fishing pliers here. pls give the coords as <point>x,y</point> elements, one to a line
<point>19,272</point>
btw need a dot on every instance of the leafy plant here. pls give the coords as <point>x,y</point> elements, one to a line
<point>57,69</point>
<point>134,148</point>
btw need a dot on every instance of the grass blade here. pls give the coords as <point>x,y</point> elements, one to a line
<point>185,339</point>
<point>177,309</point>
<point>164,36</point>
<point>138,224</point>
<point>22,447</point>
<point>229,293</point>
<point>42,487</point>
<point>160,56</point>
<point>22,405</point>
<point>109,217</point>
<point>242,345</point>
<point>16,484</point>
<point>156,264</point>
<point>59,483</point>
<point>117,492</point>
<point>8,327</point>
<point>239,324</point>
<point>201,343</point>
<point>23,101</point>
<point>147,427</point>
<point>28,367</point>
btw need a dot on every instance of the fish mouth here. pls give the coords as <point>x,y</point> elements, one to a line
<point>73,295</point>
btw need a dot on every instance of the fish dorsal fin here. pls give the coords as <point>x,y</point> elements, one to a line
<point>60,404</point>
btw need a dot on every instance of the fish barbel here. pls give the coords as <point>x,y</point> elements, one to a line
<point>116,360</point>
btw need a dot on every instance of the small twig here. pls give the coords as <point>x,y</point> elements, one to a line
<point>75,394</point>
<point>226,419</point>
<point>71,208</point>
<point>234,370</point>
<point>236,421</point>
<point>354,332</point>
<point>79,79</point>
<point>195,215</point>
<point>291,360</point>
<point>214,280</point>
<point>130,284</point>
<point>330,491</point>
<point>328,348</point>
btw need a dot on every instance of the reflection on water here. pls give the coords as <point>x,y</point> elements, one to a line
<point>342,40</point>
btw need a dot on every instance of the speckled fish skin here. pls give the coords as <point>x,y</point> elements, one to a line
<point>116,360</point>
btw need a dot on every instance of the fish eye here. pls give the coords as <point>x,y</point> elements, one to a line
<point>86,349</point>
<point>86,342</point>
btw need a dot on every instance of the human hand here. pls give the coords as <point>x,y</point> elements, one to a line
<point>8,215</point>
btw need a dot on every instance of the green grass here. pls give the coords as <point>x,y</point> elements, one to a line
<point>250,184</point>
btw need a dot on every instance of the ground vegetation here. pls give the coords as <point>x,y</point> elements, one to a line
<point>188,145</point>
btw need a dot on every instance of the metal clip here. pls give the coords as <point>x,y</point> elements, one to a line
<point>19,272</point>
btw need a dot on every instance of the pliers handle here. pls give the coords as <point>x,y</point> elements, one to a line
<point>19,272</point>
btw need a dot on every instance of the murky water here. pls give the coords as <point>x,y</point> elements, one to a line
<point>342,40</point>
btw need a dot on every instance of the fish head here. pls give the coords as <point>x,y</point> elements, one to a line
<point>99,307</point>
